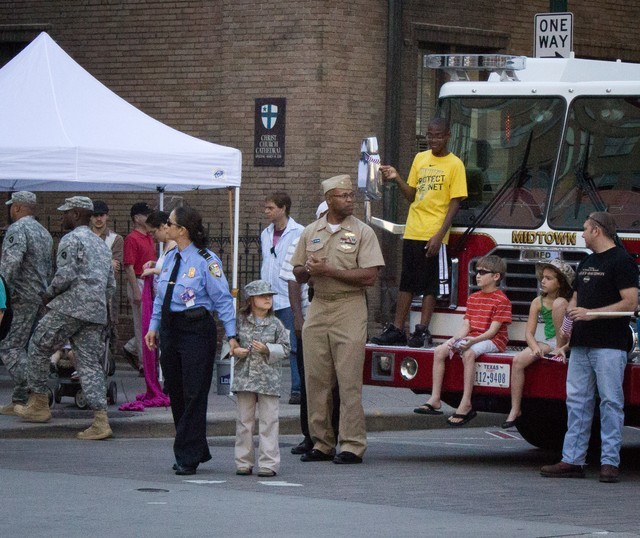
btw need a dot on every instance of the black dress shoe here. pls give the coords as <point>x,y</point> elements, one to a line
<point>346,457</point>
<point>303,448</point>
<point>316,455</point>
<point>184,470</point>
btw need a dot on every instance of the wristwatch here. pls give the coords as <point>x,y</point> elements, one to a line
<point>229,338</point>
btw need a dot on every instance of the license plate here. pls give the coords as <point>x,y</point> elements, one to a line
<point>492,375</point>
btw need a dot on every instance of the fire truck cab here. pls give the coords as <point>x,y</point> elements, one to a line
<point>545,142</point>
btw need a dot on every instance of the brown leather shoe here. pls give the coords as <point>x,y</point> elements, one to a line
<point>609,473</point>
<point>562,470</point>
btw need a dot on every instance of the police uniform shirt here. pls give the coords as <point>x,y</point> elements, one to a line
<point>200,282</point>
<point>353,246</point>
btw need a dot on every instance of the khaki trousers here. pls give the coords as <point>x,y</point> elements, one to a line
<point>334,336</point>
<point>267,408</point>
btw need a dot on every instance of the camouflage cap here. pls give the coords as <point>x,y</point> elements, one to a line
<point>337,182</point>
<point>76,202</point>
<point>562,268</point>
<point>22,197</point>
<point>258,287</point>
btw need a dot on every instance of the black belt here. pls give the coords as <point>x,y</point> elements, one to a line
<point>191,314</point>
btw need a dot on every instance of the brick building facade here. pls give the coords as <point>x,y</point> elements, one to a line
<point>199,65</point>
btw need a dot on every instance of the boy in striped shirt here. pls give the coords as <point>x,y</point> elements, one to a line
<point>484,330</point>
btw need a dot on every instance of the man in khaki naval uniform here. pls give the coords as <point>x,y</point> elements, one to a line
<point>341,255</point>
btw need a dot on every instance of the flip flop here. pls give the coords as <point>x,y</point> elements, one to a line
<point>465,418</point>
<point>427,409</point>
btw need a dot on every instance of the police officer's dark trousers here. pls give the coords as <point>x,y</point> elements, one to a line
<point>187,357</point>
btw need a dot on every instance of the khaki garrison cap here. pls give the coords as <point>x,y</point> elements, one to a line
<point>337,182</point>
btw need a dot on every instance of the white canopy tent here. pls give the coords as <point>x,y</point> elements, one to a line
<point>62,130</point>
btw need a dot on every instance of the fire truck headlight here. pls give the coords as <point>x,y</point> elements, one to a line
<point>408,368</point>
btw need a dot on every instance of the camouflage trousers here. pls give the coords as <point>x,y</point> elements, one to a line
<point>87,342</point>
<point>13,349</point>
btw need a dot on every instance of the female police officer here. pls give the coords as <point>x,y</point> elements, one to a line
<point>191,286</point>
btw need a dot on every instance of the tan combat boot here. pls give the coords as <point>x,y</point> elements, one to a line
<point>100,428</point>
<point>9,409</point>
<point>36,409</point>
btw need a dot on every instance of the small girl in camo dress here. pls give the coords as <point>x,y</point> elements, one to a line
<point>264,342</point>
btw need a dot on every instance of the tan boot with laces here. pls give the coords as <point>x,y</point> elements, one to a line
<point>36,408</point>
<point>100,428</point>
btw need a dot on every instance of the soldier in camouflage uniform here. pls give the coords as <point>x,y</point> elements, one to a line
<point>77,311</point>
<point>264,342</point>
<point>27,267</point>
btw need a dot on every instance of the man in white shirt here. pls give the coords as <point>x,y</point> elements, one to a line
<point>275,240</point>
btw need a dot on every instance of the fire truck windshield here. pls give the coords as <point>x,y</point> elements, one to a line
<point>600,163</point>
<point>509,146</point>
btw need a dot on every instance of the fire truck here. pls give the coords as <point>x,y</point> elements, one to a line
<point>545,142</point>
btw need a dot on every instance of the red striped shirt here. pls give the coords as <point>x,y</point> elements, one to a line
<point>485,308</point>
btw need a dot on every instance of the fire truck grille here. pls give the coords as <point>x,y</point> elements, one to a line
<point>520,283</point>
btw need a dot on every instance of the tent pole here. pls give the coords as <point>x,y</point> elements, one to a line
<point>236,233</point>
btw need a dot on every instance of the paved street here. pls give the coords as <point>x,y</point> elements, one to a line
<point>440,482</point>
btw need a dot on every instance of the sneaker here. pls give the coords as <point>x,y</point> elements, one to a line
<point>244,471</point>
<point>562,470</point>
<point>266,473</point>
<point>421,337</point>
<point>295,398</point>
<point>391,336</point>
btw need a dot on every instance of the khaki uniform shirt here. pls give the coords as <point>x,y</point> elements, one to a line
<point>353,246</point>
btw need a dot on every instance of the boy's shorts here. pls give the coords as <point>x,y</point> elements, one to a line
<point>486,346</point>
<point>421,275</point>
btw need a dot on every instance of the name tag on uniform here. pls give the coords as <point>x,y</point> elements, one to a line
<point>188,297</point>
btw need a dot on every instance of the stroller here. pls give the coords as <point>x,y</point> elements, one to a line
<point>68,382</point>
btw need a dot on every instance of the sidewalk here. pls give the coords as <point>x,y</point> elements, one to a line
<point>386,409</point>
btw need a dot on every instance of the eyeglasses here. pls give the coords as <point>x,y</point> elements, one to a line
<point>345,196</point>
<point>485,272</point>
<point>171,223</point>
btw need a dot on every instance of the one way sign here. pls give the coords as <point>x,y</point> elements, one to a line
<point>554,35</point>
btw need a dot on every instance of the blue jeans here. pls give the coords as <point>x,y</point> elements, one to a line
<point>285,315</point>
<point>591,369</point>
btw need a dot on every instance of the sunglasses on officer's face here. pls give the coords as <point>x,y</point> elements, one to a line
<point>171,223</point>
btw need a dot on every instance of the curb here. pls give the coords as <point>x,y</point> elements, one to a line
<point>139,426</point>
